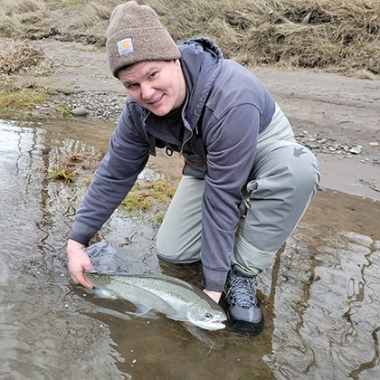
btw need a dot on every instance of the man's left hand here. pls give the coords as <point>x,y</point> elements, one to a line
<point>213,295</point>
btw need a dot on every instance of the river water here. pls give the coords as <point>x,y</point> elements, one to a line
<point>322,309</point>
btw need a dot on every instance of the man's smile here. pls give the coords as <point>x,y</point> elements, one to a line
<point>155,102</point>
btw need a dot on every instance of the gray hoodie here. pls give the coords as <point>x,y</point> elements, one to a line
<point>225,109</point>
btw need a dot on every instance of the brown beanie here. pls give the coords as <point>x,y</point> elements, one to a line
<point>135,34</point>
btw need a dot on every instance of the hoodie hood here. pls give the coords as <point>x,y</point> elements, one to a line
<point>201,62</point>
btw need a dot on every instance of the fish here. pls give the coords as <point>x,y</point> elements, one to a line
<point>176,299</point>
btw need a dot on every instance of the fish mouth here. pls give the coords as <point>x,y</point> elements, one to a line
<point>214,325</point>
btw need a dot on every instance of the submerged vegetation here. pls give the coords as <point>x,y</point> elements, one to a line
<point>151,196</point>
<point>70,167</point>
<point>65,168</point>
<point>61,173</point>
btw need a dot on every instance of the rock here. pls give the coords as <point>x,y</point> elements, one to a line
<point>148,175</point>
<point>79,112</point>
<point>356,149</point>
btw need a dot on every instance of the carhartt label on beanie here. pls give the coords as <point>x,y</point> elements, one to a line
<point>135,34</point>
<point>125,46</point>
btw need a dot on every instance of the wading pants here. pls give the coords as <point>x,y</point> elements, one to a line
<point>283,180</point>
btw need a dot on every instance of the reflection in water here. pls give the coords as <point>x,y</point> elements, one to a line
<point>326,296</point>
<point>327,309</point>
<point>43,329</point>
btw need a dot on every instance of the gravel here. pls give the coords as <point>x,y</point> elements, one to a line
<point>109,107</point>
<point>91,104</point>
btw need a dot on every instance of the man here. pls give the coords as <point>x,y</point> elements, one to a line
<point>240,158</point>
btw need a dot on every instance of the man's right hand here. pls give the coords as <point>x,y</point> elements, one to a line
<point>78,263</point>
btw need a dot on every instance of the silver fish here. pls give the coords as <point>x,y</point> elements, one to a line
<point>175,298</point>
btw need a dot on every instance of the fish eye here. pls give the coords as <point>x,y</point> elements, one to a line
<point>208,316</point>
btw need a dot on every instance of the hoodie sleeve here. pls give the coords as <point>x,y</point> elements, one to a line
<point>231,145</point>
<point>127,156</point>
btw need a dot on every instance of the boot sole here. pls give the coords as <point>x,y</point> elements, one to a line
<point>244,327</point>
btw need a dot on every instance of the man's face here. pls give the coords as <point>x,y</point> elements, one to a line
<point>158,86</point>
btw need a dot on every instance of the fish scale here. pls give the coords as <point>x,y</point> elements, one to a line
<point>175,298</point>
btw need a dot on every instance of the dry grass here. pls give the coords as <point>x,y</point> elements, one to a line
<point>334,35</point>
<point>343,36</point>
<point>18,94</point>
<point>14,7</point>
<point>19,56</point>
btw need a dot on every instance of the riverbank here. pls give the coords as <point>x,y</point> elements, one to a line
<point>336,116</point>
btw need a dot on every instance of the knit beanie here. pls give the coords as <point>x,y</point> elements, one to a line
<point>135,34</point>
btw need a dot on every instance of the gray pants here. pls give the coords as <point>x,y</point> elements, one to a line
<point>282,182</point>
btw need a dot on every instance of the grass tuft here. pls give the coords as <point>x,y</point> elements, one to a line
<point>19,57</point>
<point>149,196</point>
<point>61,173</point>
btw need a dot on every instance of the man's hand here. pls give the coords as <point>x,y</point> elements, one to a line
<point>78,262</point>
<point>213,295</point>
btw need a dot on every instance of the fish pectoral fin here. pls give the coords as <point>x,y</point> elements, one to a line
<point>176,317</point>
<point>103,293</point>
<point>144,312</point>
<point>113,313</point>
<point>204,336</point>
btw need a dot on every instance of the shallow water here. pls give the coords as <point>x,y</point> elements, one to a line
<point>324,289</point>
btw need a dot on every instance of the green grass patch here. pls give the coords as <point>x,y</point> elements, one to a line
<point>63,111</point>
<point>72,167</point>
<point>61,173</point>
<point>66,168</point>
<point>19,103</point>
<point>148,196</point>
<point>136,201</point>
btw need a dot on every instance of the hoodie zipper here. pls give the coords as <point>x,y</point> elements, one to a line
<point>183,144</point>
